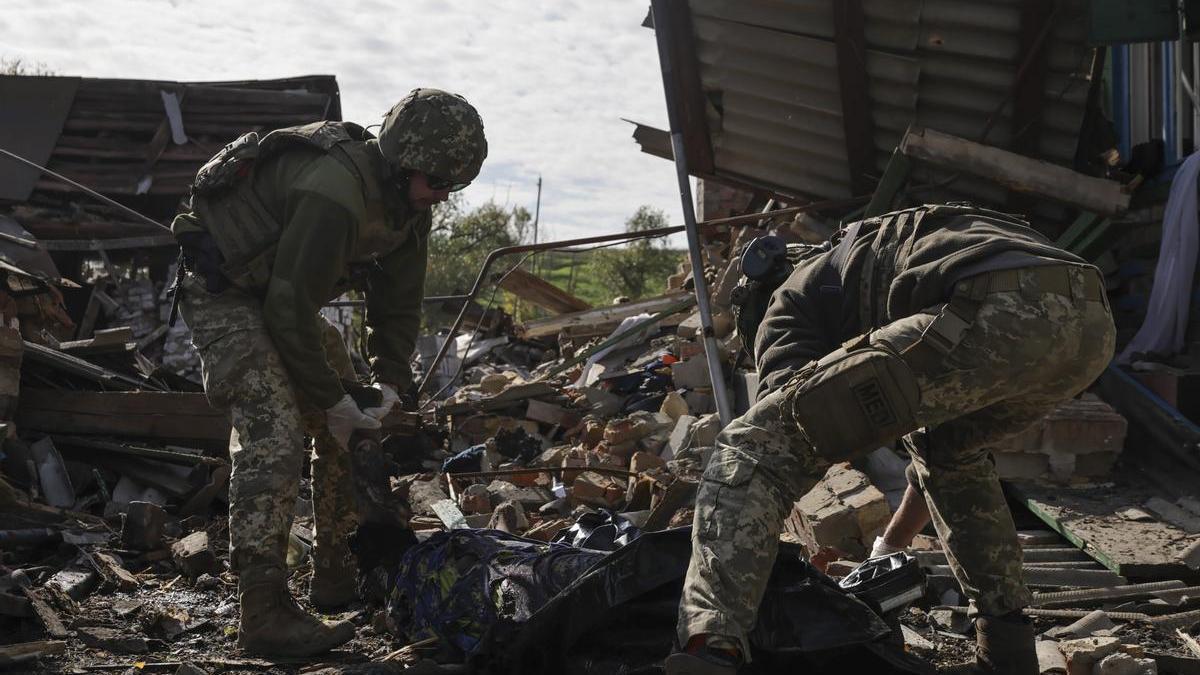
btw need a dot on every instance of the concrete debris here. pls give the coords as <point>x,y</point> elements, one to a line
<point>121,463</point>
<point>1079,441</point>
<point>194,556</point>
<point>844,511</point>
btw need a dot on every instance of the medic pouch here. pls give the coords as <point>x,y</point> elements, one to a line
<point>874,389</point>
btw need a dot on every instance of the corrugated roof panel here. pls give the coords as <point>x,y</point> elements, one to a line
<point>779,103</point>
<point>769,67</point>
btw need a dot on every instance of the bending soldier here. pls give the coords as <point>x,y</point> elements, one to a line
<point>948,326</point>
<point>276,228</point>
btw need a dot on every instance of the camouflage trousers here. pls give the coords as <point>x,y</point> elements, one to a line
<point>1025,350</point>
<point>244,375</point>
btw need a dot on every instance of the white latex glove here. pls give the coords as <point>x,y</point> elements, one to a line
<point>344,418</point>
<point>881,547</point>
<point>390,399</point>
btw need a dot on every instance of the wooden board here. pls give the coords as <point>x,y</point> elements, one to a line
<point>1088,518</point>
<point>1017,172</point>
<point>142,414</point>
<point>612,313</point>
<point>541,292</point>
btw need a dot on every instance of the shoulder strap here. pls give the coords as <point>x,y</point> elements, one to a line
<point>832,290</point>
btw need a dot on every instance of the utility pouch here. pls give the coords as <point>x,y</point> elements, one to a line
<point>854,401</point>
<point>228,166</point>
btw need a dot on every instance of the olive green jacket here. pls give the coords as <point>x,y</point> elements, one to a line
<point>321,207</point>
<point>915,265</point>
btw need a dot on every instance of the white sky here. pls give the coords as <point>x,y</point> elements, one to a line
<point>551,79</point>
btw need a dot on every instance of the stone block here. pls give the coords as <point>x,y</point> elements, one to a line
<point>142,528</point>
<point>680,437</point>
<point>596,489</point>
<point>691,374</point>
<point>505,491</point>
<point>509,517</point>
<point>193,555</point>
<point>844,511</point>
<point>1082,655</point>
<point>475,499</point>
<point>674,405</point>
<point>645,461</point>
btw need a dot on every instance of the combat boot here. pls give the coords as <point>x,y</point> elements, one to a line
<point>1004,645</point>
<point>705,655</point>
<point>273,625</point>
<point>334,584</point>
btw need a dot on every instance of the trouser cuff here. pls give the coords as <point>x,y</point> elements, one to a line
<point>711,623</point>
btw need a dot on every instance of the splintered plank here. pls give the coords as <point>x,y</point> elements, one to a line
<point>541,292</point>
<point>1087,517</point>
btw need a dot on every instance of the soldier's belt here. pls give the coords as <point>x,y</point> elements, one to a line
<point>1046,279</point>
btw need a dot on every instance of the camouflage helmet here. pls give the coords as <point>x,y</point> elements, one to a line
<point>434,132</point>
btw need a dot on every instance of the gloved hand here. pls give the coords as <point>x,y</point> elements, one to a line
<point>344,418</point>
<point>881,547</point>
<point>390,399</point>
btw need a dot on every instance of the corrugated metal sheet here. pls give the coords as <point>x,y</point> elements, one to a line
<point>769,69</point>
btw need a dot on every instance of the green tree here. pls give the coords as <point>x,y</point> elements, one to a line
<point>641,267</point>
<point>460,240</point>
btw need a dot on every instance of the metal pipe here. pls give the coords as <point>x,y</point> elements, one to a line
<point>111,202</point>
<point>498,253</point>
<point>716,372</point>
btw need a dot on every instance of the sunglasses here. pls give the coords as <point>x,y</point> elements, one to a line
<point>436,183</point>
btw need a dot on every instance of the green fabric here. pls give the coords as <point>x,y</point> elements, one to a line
<point>397,287</point>
<point>915,274</point>
<point>321,208</point>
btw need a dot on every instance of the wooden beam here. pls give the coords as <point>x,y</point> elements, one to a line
<point>150,241</point>
<point>541,292</point>
<point>849,32</point>
<point>1016,171</point>
<point>693,105</point>
<point>141,414</point>
<point>612,313</point>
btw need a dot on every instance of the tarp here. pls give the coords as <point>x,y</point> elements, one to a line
<point>529,608</point>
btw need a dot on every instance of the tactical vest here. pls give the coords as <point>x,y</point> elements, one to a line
<point>247,234</point>
<point>886,258</point>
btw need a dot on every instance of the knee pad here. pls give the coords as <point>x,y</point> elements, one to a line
<point>854,401</point>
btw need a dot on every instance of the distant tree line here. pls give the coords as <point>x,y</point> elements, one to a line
<point>461,239</point>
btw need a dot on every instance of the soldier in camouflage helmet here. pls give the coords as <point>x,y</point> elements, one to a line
<point>965,324</point>
<point>276,227</point>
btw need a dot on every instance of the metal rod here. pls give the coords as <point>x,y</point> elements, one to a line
<point>84,188</point>
<point>1111,593</point>
<point>498,253</point>
<point>716,373</point>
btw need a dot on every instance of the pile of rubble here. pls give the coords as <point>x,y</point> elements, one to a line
<point>587,429</point>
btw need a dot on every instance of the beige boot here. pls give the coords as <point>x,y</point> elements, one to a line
<point>333,585</point>
<point>1004,645</point>
<point>273,625</point>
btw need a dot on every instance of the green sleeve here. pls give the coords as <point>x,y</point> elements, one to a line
<point>394,309</point>
<point>311,257</point>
